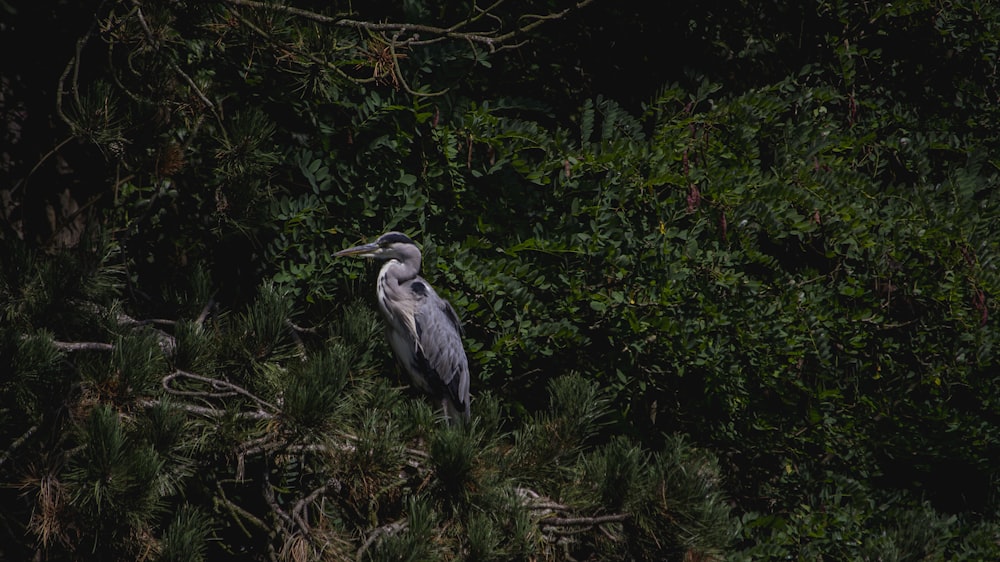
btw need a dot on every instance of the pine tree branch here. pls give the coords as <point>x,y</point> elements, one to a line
<point>547,506</point>
<point>167,343</point>
<point>299,344</point>
<point>557,521</point>
<point>554,527</point>
<point>298,328</point>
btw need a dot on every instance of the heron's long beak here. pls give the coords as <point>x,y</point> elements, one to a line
<point>364,250</point>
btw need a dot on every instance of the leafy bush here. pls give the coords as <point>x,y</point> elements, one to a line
<point>761,286</point>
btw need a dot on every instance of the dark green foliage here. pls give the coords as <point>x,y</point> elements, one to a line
<point>185,539</point>
<point>194,350</point>
<point>112,483</point>
<point>409,541</point>
<point>315,388</point>
<point>175,440</point>
<point>36,373</point>
<point>850,525</point>
<point>686,496</point>
<point>727,278</point>
<point>484,537</point>
<point>263,329</point>
<point>453,453</point>
<point>136,367</point>
<point>616,471</point>
<point>553,441</point>
<point>43,292</point>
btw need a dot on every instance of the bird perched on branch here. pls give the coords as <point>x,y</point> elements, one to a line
<point>423,329</point>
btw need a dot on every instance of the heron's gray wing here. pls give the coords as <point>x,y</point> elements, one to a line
<point>453,317</point>
<point>440,355</point>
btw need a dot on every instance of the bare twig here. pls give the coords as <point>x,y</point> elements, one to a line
<point>272,501</point>
<point>44,157</point>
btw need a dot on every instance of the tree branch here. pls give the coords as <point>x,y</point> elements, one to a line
<point>82,346</point>
<point>492,38</point>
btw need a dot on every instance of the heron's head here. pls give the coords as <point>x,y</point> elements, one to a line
<point>391,245</point>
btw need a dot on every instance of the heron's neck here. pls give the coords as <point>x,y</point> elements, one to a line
<point>395,272</point>
<point>390,278</point>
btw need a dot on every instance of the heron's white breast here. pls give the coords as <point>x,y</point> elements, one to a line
<point>397,306</point>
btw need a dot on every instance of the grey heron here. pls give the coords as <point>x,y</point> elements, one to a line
<point>423,329</point>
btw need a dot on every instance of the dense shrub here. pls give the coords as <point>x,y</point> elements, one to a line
<point>738,306</point>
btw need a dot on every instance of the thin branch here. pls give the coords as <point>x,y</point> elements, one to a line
<point>583,521</point>
<point>286,9</point>
<point>493,39</point>
<point>205,311</point>
<point>238,512</point>
<point>406,35</point>
<point>302,329</point>
<point>42,160</point>
<point>390,529</point>
<point>208,412</point>
<point>173,66</point>
<point>546,506</point>
<point>480,14</point>
<point>305,54</point>
<point>82,346</point>
<point>399,73</point>
<point>299,344</point>
<point>299,511</point>
<point>271,500</point>
<point>74,66</point>
<point>17,443</point>
<point>225,388</point>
